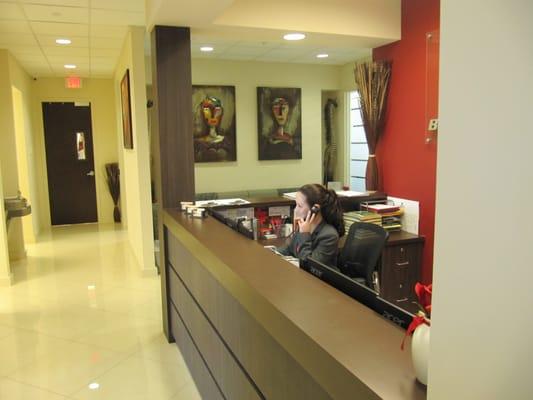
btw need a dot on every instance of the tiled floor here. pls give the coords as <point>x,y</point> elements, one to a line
<point>82,323</point>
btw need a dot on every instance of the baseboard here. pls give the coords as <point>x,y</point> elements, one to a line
<point>7,280</point>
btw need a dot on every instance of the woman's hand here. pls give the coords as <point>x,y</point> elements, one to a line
<point>305,226</point>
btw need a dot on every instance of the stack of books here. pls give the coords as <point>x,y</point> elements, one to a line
<point>361,216</point>
<point>391,215</point>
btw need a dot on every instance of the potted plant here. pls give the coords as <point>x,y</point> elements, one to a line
<point>420,329</point>
<point>113,184</point>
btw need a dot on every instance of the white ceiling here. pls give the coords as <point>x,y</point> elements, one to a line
<point>97,28</point>
<point>344,29</point>
<point>227,49</point>
<point>367,18</point>
<point>249,30</point>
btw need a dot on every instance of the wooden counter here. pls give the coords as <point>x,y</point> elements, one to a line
<point>252,326</point>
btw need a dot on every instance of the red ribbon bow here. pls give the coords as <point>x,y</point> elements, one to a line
<point>415,323</point>
<point>423,292</point>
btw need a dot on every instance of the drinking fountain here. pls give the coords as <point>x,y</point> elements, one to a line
<point>16,207</point>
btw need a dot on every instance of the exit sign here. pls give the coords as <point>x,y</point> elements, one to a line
<point>73,82</point>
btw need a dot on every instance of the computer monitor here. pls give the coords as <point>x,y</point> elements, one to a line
<point>217,215</point>
<point>359,292</point>
<point>393,313</point>
<point>235,224</point>
<point>345,284</point>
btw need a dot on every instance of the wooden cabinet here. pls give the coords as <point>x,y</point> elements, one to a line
<point>401,263</point>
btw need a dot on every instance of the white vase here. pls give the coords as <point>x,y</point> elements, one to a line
<point>420,352</point>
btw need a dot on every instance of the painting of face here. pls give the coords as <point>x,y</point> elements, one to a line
<point>212,110</point>
<point>279,123</point>
<point>214,123</point>
<point>280,109</point>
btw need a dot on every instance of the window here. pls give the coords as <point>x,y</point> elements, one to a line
<point>358,145</point>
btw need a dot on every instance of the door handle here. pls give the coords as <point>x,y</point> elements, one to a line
<point>90,173</point>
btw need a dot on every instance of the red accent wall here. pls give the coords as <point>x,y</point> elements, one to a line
<point>407,164</point>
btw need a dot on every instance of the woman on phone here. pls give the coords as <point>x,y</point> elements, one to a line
<point>318,225</point>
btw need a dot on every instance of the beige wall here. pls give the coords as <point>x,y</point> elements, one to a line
<point>25,165</point>
<point>248,172</point>
<point>482,324</point>
<point>22,112</point>
<point>8,155</point>
<point>16,163</point>
<point>219,74</point>
<point>101,94</point>
<point>10,75</point>
<point>347,75</point>
<point>347,79</point>
<point>135,163</point>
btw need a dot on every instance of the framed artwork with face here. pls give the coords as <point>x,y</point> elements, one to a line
<point>214,130</point>
<point>126,110</point>
<point>279,114</point>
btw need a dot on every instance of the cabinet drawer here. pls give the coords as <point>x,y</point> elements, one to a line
<point>402,256</point>
<point>400,270</point>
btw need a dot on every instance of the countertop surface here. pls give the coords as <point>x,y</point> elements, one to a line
<point>338,340</point>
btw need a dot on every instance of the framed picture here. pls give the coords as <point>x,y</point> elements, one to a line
<point>214,130</point>
<point>126,110</point>
<point>279,114</point>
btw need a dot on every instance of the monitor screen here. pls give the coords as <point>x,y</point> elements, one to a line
<point>359,292</point>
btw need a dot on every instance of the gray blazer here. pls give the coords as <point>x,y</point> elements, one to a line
<point>321,245</point>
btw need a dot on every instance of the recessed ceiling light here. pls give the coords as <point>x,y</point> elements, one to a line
<point>63,41</point>
<point>294,36</point>
<point>206,49</point>
<point>69,66</point>
<point>94,385</point>
<point>322,55</point>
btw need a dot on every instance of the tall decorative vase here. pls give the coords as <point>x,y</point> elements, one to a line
<point>420,352</point>
<point>116,213</point>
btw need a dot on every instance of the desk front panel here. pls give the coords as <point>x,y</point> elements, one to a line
<point>202,376</point>
<point>283,333</point>
<point>246,362</point>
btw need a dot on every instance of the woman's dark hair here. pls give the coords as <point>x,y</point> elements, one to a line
<point>329,204</point>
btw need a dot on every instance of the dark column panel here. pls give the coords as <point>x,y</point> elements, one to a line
<point>173,163</point>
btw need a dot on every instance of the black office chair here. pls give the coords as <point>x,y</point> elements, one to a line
<point>362,249</point>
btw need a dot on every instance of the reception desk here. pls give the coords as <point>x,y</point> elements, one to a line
<point>252,326</point>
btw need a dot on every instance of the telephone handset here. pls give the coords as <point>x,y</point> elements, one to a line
<point>314,210</point>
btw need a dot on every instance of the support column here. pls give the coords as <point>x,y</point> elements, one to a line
<point>171,130</point>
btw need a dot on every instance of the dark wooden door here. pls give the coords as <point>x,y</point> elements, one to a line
<point>70,162</point>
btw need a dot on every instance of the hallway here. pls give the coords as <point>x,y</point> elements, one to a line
<point>81,322</point>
